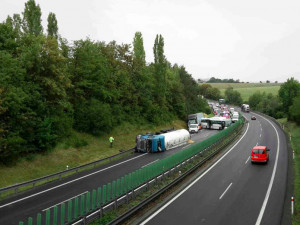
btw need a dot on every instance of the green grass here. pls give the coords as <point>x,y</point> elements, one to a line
<point>89,148</point>
<point>294,131</point>
<point>249,89</point>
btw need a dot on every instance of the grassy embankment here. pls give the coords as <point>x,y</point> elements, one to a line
<point>249,89</point>
<point>63,155</point>
<point>294,131</point>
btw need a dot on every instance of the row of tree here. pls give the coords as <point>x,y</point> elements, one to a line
<point>285,104</point>
<point>49,87</point>
<point>217,80</point>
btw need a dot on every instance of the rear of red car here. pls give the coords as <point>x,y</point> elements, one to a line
<point>260,154</point>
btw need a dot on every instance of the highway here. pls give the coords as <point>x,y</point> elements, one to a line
<point>233,190</point>
<point>37,200</point>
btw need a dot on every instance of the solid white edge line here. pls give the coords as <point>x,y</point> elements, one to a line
<point>247,160</point>
<point>225,191</point>
<point>150,163</point>
<point>261,213</point>
<point>30,196</point>
<point>195,181</point>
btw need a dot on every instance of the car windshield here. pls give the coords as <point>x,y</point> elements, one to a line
<point>258,151</point>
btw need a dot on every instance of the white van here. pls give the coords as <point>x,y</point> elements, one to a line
<point>193,128</point>
<point>235,117</point>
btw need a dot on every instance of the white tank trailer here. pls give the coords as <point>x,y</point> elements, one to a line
<point>162,142</point>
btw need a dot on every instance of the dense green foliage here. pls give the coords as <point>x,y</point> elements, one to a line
<point>210,92</point>
<point>49,87</point>
<point>232,96</point>
<point>286,104</point>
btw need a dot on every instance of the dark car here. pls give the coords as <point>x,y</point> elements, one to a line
<point>253,118</point>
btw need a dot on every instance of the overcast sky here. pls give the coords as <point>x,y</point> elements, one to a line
<point>240,39</point>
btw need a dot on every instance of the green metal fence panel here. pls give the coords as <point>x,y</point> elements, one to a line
<point>76,207</point>
<point>29,221</point>
<point>104,199</point>
<point>109,192</point>
<point>94,195</point>
<point>88,201</point>
<point>122,188</point>
<point>82,200</point>
<point>48,217</point>
<point>55,215</point>
<point>126,183</point>
<point>62,213</point>
<point>113,190</point>
<point>70,203</point>
<point>118,191</point>
<point>99,197</point>
<point>39,219</point>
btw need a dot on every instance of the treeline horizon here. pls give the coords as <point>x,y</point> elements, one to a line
<point>48,87</point>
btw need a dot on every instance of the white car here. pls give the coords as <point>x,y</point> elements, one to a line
<point>194,128</point>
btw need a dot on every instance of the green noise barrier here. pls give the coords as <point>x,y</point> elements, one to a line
<point>111,191</point>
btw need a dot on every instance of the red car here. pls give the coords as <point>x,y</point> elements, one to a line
<point>260,154</point>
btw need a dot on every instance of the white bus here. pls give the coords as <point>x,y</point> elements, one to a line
<point>219,123</point>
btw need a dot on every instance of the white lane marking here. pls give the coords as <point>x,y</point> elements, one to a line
<point>225,191</point>
<point>247,160</point>
<point>195,181</point>
<point>260,135</point>
<point>150,163</point>
<point>69,182</point>
<point>64,201</point>
<point>256,143</point>
<point>261,213</point>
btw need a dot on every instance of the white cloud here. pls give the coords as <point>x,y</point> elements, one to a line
<point>238,39</point>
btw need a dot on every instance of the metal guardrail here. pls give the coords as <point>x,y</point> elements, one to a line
<point>60,174</point>
<point>130,195</point>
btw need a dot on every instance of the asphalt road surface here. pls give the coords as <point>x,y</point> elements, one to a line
<point>233,190</point>
<point>35,201</point>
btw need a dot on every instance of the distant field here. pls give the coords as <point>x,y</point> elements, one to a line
<point>249,89</point>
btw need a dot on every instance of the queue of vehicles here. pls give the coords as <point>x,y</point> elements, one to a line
<point>168,139</point>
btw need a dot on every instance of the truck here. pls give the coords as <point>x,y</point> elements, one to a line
<point>159,143</point>
<point>222,101</point>
<point>245,108</point>
<point>195,118</point>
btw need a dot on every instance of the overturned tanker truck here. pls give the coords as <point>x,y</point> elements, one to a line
<point>161,142</point>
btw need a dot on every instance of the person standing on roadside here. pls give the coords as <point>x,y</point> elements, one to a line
<point>111,140</point>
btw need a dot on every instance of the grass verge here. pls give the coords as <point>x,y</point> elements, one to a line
<point>294,131</point>
<point>77,150</point>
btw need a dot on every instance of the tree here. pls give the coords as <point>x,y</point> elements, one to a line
<point>138,50</point>
<point>287,92</point>
<point>52,25</point>
<point>294,110</point>
<point>204,88</point>
<point>233,97</point>
<point>160,65</point>
<point>32,18</point>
